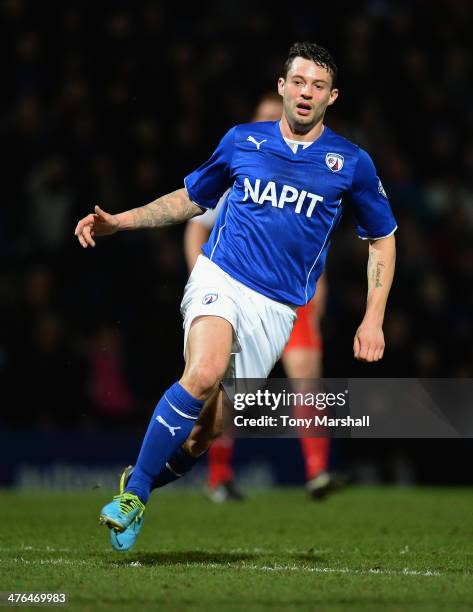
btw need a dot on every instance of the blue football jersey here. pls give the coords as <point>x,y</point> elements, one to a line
<point>275,229</point>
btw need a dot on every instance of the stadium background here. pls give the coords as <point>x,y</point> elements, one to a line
<point>113,104</point>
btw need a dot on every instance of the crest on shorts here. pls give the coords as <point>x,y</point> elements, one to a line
<point>334,161</point>
<point>209,298</point>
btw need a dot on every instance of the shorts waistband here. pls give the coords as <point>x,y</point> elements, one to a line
<point>203,259</point>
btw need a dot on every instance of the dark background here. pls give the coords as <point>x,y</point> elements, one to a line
<point>114,103</point>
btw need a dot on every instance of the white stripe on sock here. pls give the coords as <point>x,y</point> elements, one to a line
<point>173,471</point>
<point>182,414</point>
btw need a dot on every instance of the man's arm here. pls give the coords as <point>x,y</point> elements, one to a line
<point>369,338</point>
<point>320,297</point>
<point>169,209</point>
<point>195,235</point>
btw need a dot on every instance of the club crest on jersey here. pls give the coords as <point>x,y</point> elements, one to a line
<point>334,161</point>
<point>209,298</point>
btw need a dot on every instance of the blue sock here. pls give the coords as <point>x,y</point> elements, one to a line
<point>170,426</point>
<point>179,464</point>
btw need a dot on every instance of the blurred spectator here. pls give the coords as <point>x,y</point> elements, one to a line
<point>50,214</point>
<point>109,388</point>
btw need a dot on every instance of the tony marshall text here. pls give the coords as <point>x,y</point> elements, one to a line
<point>307,423</point>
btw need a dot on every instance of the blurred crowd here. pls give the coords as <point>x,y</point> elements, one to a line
<point>115,102</point>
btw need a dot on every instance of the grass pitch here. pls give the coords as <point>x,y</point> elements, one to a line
<point>362,549</point>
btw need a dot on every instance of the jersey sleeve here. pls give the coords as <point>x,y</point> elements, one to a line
<point>209,217</point>
<point>370,205</point>
<point>206,184</point>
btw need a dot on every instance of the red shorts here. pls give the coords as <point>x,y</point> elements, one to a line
<point>306,330</point>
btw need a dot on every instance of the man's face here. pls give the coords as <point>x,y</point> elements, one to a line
<point>306,91</point>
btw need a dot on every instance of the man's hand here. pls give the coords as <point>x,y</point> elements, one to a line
<point>99,223</point>
<point>369,343</point>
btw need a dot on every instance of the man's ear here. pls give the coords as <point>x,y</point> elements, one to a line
<point>281,83</point>
<point>333,97</point>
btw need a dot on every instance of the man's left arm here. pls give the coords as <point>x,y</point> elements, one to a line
<point>369,338</point>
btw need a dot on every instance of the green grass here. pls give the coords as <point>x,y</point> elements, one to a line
<point>362,549</point>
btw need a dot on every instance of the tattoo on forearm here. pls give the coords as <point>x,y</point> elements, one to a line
<point>379,269</point>
<point>172,208</point>
<point>375,271</point>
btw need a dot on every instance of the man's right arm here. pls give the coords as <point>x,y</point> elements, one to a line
<point>169,209</point>
<point>175,207</point>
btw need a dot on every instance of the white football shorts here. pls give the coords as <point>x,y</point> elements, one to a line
<point>261,326</point>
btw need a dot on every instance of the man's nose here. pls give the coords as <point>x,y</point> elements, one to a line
<point>307,91</point>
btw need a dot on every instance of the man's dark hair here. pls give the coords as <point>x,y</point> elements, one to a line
<point>315,53</point>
